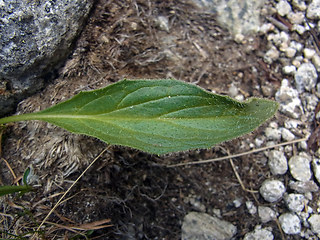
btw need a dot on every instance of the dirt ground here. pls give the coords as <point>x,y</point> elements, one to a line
<point>142,197</point>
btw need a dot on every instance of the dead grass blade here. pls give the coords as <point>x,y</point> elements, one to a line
<point>63,196</point>
<point>237,155</point>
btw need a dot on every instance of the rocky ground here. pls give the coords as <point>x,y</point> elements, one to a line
<point>270,194</point>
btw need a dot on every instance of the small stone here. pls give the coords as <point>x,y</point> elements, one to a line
<point>266,214</point>
<point>273,133</point>
<point>316,168</point>
<point>304,187</point>
<point>292,124</point>
<point>296,17</point>
<point>233,90</point>
<point>313,11</point>
<point>287,135</point>
<point>290,52</point>
<point>163,23</point>
<point>239,38</point>
<point>277,162</point>
<point>306,77</point>
<point>316,61</point>
<point>295,202</point>
<point>296,63</point>
<point>283,8</point>
<point>314,221</point>
<point>271,55</point>
<point>296,45</point>
<point>237,202</point>
<point>308,53</point>
<point>203,226</point>
<point>252,209</point>
<point>258,234</point>
<point>290,223</point>
<point>299,4</point>
<point>298,28</point>
<point>266,27</point>
<point>272,190</point>
<point>289,70</point>
<point>300,167</point>
<point>289,100</point>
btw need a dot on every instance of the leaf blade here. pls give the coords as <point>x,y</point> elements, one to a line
<point>157,116</point>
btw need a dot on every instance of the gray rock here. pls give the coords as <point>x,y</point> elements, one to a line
<point>304,187</point>
<point>266,214</point>
<point>289,100</point>
<point>290,223</point>
<point>295,202</point>
<point>306,77</point>
<point>314,221</point>
<point>240,17</point>
<point>316,168</point>
<point>277,162</point>
<point>300,167</point>
<point>201,226</point>
<point>35,38</point>
<point>283,7</point>
<point>259,233</point>
<point>313,11</point>
<point>272,190</point>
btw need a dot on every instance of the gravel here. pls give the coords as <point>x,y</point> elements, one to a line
<point>314,221</point>
<point>266,214</point>
<point>198,226</point>
<point>295,202</point>
<point>300,167</point>
<point>277,162</point>
<point>259,233</point>
<point>290,223</point>
<point>272,190</point>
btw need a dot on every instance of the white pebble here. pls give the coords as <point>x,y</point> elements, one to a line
<point>299,4</point>
<point>314,221</point>
<point>295,202</point>
<point>258,234</point>
<point>283,8</point>
<point>308,53</point>
<point>266,214</point>
<point>233,90</point>
<point>296,17</point>
<point>316,61</point>
<point>277,162</point>
<point>289,70</point>
<point>298,28</point>
<point>252,209</point>
<point>289,100</point>
<point>296,45</point>
<point>273,133</point>
<point>300,167</point>
<point>290,223</point>
<point>313,11</point>
<point>290,52</point>
<point>266,27</point>
<point>287,135</point>
<point>306,77</point>
<point>271,55</point>
<point>316,168</point>
<point>272,190</point>
<point>296,63</point>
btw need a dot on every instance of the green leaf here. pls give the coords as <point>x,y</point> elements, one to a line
<point>156,116</point>
<point>4,190</point>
